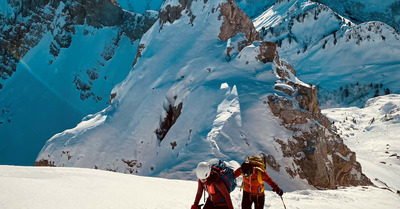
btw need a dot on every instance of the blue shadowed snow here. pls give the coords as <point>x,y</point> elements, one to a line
<point>42,99</point>
<point>140,6</point>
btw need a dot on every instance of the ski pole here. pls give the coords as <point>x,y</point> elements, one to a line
<point>283,202</point>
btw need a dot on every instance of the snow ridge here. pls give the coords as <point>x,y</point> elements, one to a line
<point>317,42</point>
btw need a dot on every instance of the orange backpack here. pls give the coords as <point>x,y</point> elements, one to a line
<point>259,164</point>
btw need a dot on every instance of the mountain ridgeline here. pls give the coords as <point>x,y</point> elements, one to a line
<point>322,44</point>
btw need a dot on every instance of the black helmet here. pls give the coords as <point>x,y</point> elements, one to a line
<point>246,169</point>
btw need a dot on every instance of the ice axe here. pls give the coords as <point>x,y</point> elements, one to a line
<point>283,202</point>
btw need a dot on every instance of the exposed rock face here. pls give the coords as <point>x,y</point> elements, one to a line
<point>19,35</point>
<point>235,21</point>
<point>44,163</point>
<point>172,13</point>
<point>270,160</point>
<point>267,52</point>
<point>167,122</point>
<point>320,155</point>
<point>139,52</point>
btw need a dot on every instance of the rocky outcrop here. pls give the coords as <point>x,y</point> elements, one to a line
<point>267,52</point>
<point>44,163</point>
<point>141,47</point>
<point>173,113</point>
<point>319,153</point>
<point>171,13</point>
<point>323,159</point>
<point>235,21</point>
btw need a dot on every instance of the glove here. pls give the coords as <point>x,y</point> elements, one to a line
<point>194,207</point>
<point>279,191</point>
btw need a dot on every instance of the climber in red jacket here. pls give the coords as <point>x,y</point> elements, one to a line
<point>219,197</point>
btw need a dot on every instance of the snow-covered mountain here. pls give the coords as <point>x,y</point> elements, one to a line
<point>354,61</point>
<point>59,61</point>
<point>211,90</point>
<point>360,11</point>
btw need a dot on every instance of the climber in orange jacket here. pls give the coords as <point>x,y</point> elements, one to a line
<point>253,185</point>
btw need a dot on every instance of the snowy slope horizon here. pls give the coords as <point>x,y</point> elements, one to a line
<point>64,188</point>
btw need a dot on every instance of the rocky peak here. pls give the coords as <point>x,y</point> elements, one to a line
<point>319,153</point>
<point>235,21</point>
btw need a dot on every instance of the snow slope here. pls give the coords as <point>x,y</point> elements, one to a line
<point>48,100</point>
<point>49,188</point>
<point>253,8</point>
<point>373,133</point>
